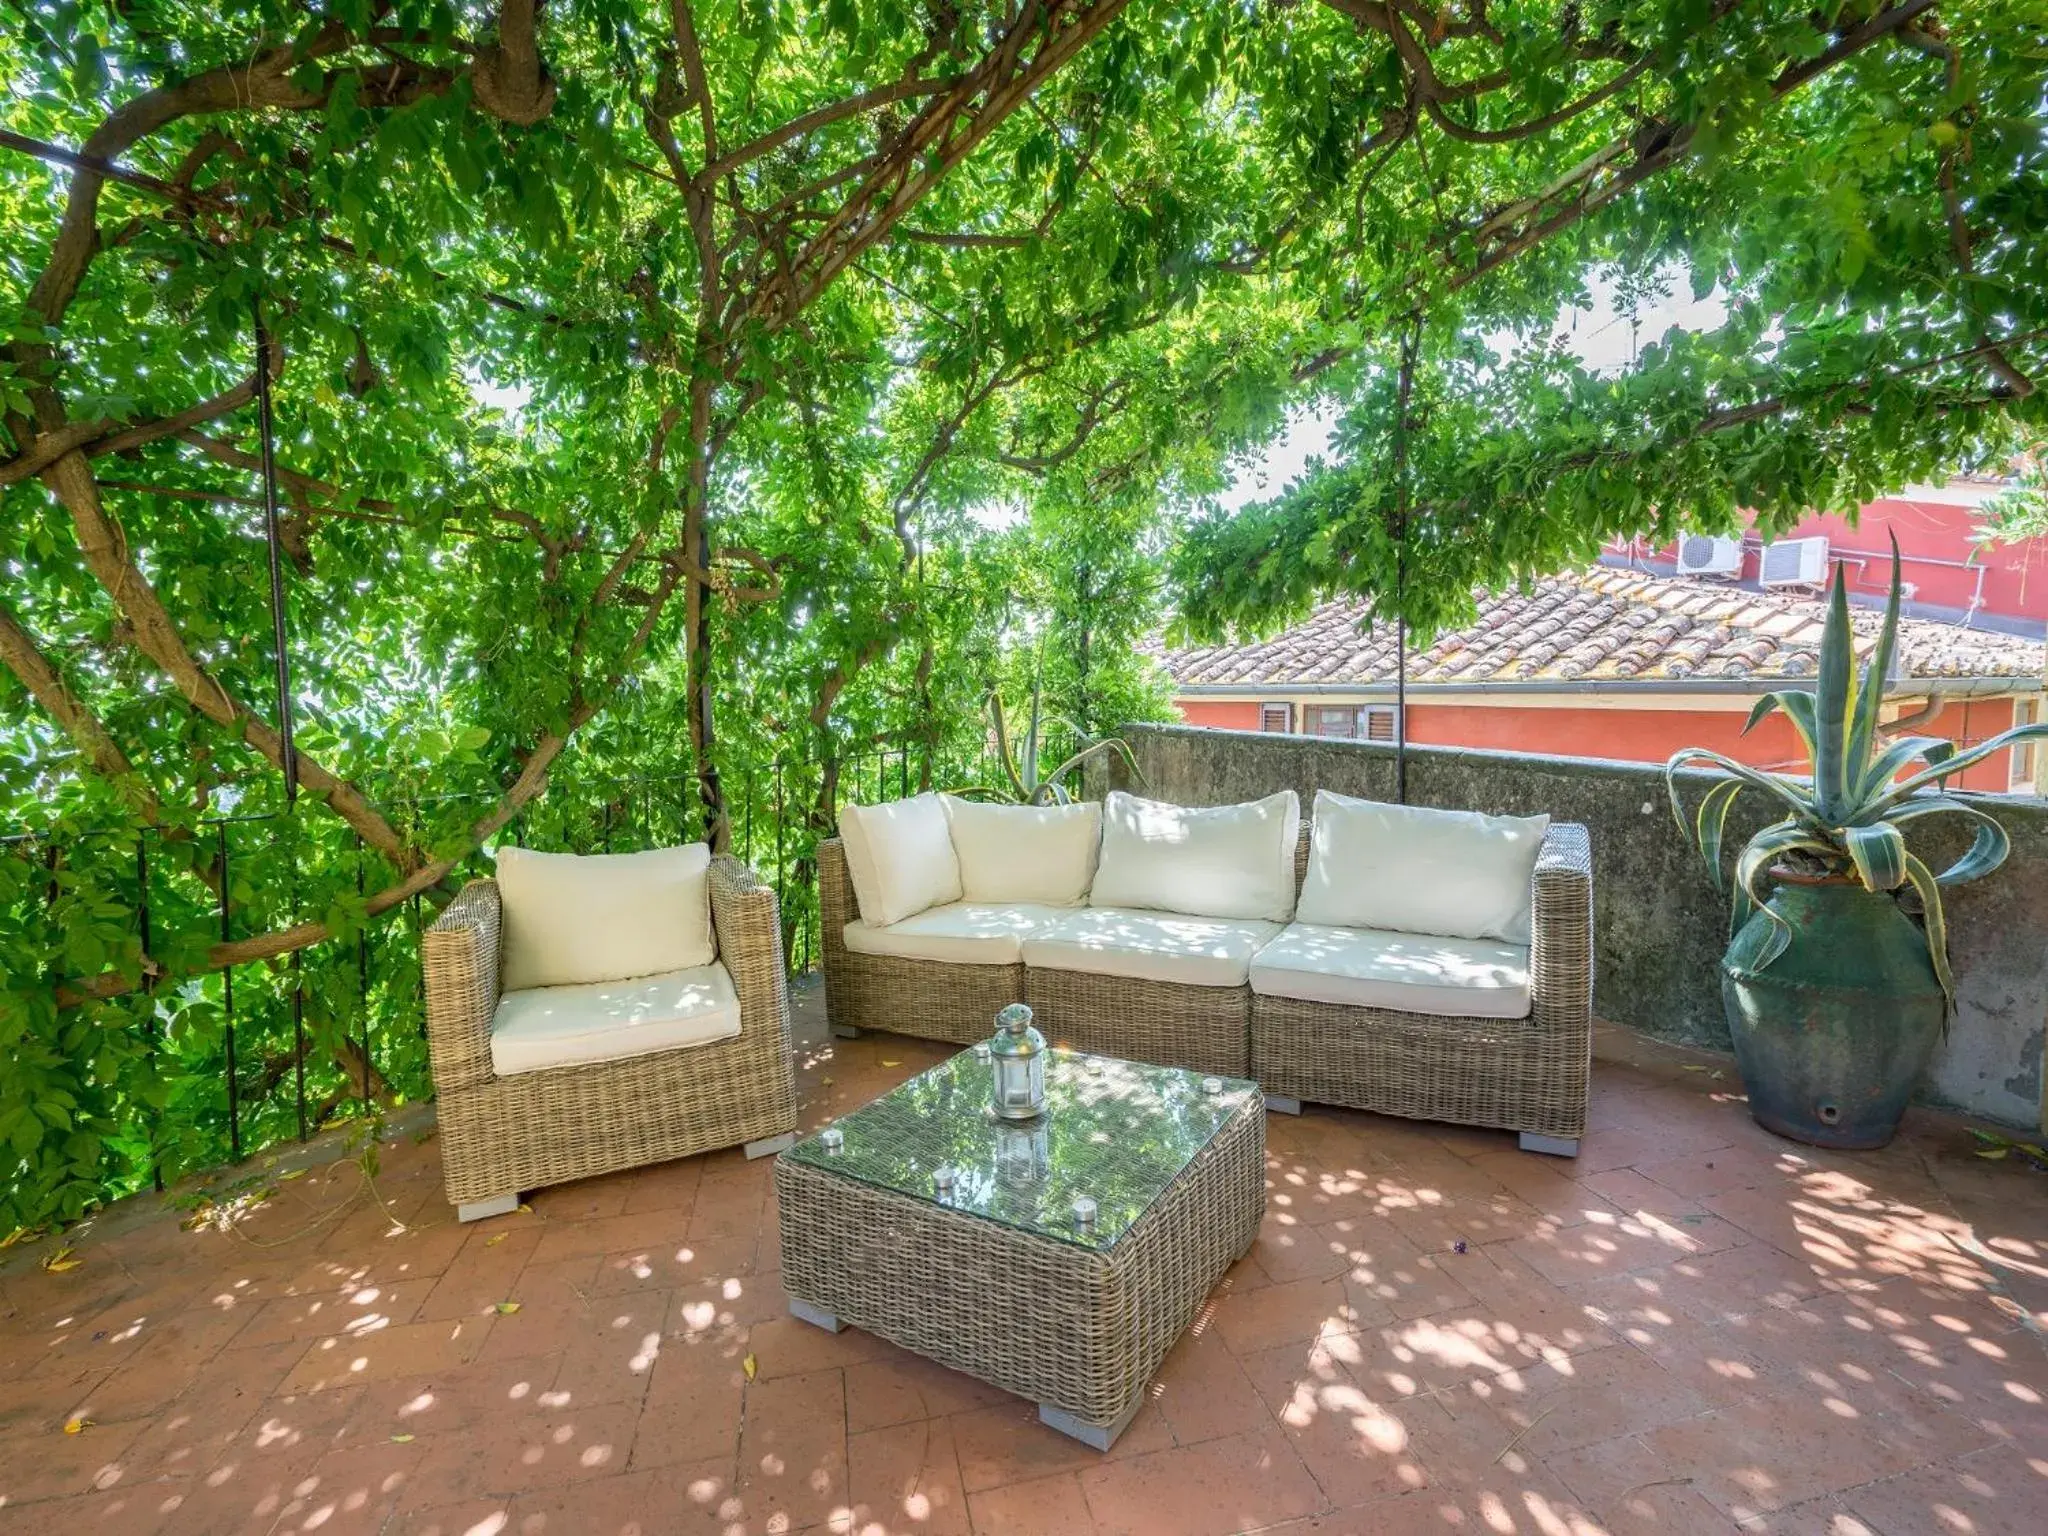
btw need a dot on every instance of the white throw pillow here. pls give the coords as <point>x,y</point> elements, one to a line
<point>1038,853</point>
<point>900,856</point>
<point>571,920</point>
<point>1407,869</point>
<point>1211,861</point>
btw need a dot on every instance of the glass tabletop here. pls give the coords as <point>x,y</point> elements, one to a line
<point>1116,1132</point>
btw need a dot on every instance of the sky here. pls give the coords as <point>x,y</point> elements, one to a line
<point>1599,334</point>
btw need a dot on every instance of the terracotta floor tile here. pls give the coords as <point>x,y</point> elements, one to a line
<point>1203,1393</point>
<point>657,1503</point>
<point>906,1478</point>
<point>50,1466</point>
<point>350,1490</point>
<point>1223,1486</point>
<point>1773,1452</point>
<point>474,1517</point>
<point>1007,1444</point>
<point>1355,1448</point>
<point>1249,1321</point>
<point>902,1389</point>
<point>456,1400</point>
<point>1999,1492</point>
<point>1629,1191</point>
<point>1690,1320</point>
<point>1045,1506</point>
<point>1287,1249</point>
<point>406,1350</point>
<point>792,1459</point>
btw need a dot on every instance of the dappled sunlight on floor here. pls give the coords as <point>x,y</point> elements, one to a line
<point>1693,1327</point>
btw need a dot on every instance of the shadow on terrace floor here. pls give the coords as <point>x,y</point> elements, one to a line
<point>1692,1328</point>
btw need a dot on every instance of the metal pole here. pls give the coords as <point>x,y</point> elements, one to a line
<point>227,998</point>
<point>288,758</point>
<point>156,1162</point>
<point>1410,339</point>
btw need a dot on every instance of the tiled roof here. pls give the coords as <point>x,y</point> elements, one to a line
<point>1602,624</point>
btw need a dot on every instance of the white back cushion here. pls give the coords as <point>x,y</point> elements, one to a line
<point>571,920</point>
<point>1214,861</point>
<point>1406,869</point>
<point>1038,853</point>
<point>900,857</point>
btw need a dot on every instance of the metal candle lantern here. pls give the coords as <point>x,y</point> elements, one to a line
<point>1017,1060</point>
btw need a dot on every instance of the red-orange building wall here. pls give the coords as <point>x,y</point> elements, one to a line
<point>1638,735</point>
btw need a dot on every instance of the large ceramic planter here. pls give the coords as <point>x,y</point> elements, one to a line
<point>1832,1038</point>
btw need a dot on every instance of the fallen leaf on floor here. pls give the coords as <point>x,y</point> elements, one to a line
<point>78,1425</point>
<point>492,1242</point>
<point>751,1366</point>
<point>507,1308</point>
<point>891,1062</point>
<point>1989,1154</point>
<point>401,1439</point>
<point>525,1208</point>
<point>63,1259</point>
<point>294,1173</point>
<point>20,1235</point>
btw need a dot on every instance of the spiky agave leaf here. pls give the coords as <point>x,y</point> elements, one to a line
<point>1757,857</point>
<point>1794,796</point>
<point>1936,918</point>
<point>1834,705</point>
<point>1987,850</point>
<point>1870,698</point>
<point>1948,767</point>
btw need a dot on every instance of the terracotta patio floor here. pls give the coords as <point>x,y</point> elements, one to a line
<point>1691,1328</point>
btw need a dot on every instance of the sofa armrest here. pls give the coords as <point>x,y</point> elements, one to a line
<point>749,925</point>
<point>1561,929</point>
<point>459,956</point>
<point>837,905</point>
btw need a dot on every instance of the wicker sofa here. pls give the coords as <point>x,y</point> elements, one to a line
<point>1527,1073</point>
<point>504,1133</point>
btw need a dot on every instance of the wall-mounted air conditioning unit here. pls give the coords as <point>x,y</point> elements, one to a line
<point>1704,554</point>
<point>1794,563</point>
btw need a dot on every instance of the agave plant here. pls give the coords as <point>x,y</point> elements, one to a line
<point>1022,783</point>
<point>1848,816</point>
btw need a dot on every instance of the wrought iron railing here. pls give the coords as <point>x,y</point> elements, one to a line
<point>212,1065</point>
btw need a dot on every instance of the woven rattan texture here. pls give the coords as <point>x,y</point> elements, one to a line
<point>1081,1330</point>
<point>1513,1074</point>
<point>506,1135</point>
<point>1201,1028</point>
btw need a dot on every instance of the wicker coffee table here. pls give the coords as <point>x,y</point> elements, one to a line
<point>998,1278</point>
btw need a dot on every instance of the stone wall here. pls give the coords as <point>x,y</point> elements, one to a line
<point>1660,925</point>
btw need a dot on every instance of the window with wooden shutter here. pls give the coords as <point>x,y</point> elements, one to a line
<point>1276,717</point>
<point>1378,723</point>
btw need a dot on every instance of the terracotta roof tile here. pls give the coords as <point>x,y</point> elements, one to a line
<point>1598,624</point>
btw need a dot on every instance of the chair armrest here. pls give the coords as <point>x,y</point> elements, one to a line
<point>837,905</point>
<point>749,926</point>
<point>1561,928</point>
<point>459,956</point>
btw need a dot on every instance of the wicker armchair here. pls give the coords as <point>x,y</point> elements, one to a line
<point>501,1136</point>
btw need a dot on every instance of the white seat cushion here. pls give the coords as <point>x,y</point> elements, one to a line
<point>899,857</point>
<point>1151,946</point>
<point>1409,972</point>
<point>604,1021</point>
<point>571,919</point>
<point>1040,853</point>
<point>1410,869</point>
<point>961,933</point>
<point>1233,861</point>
